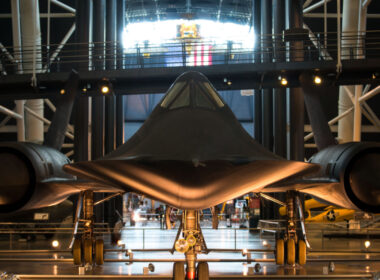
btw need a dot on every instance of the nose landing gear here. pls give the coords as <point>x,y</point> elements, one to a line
<point>191,244</point>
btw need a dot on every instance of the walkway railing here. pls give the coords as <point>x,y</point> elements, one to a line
<point>289,47</point>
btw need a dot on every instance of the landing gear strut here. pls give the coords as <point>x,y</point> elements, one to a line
<point>290,247</point>
<point>191,244</point>
<point>86,248</point>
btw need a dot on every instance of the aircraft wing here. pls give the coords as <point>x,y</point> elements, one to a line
<point>188,186</point>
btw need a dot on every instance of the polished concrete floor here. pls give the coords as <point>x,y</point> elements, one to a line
<point>348,256</point>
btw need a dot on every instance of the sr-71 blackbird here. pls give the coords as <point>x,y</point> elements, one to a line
<point>191,153</point>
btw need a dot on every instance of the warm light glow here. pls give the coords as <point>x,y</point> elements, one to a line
<point>245,251</point>
<point>245,269</point>
<point>284,81</point>
<point>120,243</point>
<point>317,80</point>
<point>367,244</point>
<point>146,34</point>
<point>265,243</point>
<point>105,89</point>
<point>55,269</point>
<point>136,217</point>
<point>84,90</point>
<point>55,243</point>
<point>62,91</point>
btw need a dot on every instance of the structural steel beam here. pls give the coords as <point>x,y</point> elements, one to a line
<point>158,80</point>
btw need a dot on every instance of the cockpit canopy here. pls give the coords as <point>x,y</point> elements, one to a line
<point>194,92</point>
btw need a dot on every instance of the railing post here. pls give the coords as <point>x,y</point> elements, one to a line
<point>183,54</point>
<point>235,238</point>
<point>143,238</point>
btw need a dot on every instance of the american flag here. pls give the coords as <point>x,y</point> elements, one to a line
<point>200,56</point>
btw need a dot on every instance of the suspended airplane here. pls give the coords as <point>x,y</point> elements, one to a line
<point>191,153</point>
<point>326,213</point>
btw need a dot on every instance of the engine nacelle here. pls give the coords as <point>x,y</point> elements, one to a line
<point>356,166</point>
<point>24,169</point>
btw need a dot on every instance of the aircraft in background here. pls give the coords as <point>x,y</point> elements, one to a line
<point>191,153</point>
<point>326,213</point>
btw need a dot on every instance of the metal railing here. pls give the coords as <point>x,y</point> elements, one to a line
<point>151,238</point>
<point>189,52</point>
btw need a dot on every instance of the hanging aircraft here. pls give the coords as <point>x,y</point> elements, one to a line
<point>191,153</point>
<point>326,213</point>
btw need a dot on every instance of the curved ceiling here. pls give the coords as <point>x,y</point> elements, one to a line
<point>238,11</point>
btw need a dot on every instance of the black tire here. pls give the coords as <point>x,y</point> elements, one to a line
<point>77,252</point>
<point>202,271</point>
<point>179,271</point>
<point>99,251</point>
<point>87,251</point>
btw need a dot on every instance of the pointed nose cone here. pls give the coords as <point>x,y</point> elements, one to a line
<point>192,122</point>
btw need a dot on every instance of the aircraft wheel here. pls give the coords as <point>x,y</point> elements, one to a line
<point>99,251</point>
<point>301,252</point>
<point>87,251</point>
<point>202,271</point>
<point>77,252</point>
<point>280,251</point>
<point>179,271</point>
<point>291,251</point>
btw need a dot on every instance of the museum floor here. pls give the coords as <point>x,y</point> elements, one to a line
<point>330,257</point>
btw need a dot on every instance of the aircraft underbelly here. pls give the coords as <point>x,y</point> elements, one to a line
<point>186,185</point>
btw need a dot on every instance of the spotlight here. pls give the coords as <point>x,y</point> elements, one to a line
<point>367,244</point>
<point>105,89</point>
<point>317,80</point>
<point>55,244</point>
<point>283,81</point>
<point>84,90</point>
<point>105,86</point>
<point>62,91</point>
<point>227,81</point>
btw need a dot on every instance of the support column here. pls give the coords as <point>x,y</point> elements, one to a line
<point>98,102</point>
<point>110,65</point>
<point>16,34</point>
<point>256,11</point>
<point>279,94</point>
<point>267,209</point>
<point>81,121</point>
<point>120,65</point>
<point>112,205</point>
<point>351,9</point>
<point>267,94</point>
<point>32,62</point>
<point>295,95</point>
